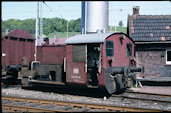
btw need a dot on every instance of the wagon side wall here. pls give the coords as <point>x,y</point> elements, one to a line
<point>51,54</point>
<point>14,49</point>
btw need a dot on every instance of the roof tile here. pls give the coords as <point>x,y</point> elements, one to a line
<point>20,34</point>
<point>150,27</point>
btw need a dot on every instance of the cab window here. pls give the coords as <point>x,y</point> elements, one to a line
<point>109,48</point>
<point>78,53</point>
<point>129,50</point>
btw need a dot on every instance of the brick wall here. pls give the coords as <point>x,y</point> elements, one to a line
<point>154,62</point>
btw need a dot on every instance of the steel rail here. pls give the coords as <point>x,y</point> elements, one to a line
<point>74,106</point>
<point>167,95</point>
<point>15,108</point>
<point>138,96</point>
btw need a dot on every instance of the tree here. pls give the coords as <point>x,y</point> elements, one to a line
<point>50,25</point>
<point>120,23</point>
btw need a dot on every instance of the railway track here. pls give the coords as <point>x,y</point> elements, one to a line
<point>13,104</point>
<point>162,97</point>
<point>144,93</point>
<point>3,85</point>
<point>145,99</point>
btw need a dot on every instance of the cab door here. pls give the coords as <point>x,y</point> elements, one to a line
<point>76,66</point>
<point>93,64</point>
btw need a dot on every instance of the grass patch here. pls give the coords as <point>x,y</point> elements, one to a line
<point>121,29</point>
<point>64,34</point>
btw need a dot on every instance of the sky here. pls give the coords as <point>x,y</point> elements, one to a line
<point>71,10</point>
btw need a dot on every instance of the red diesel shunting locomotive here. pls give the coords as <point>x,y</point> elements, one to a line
<point>97,60</point>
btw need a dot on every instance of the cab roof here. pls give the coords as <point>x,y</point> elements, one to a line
<point>90,38</point>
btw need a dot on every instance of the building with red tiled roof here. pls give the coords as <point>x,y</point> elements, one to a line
<point>51,41</point>
<point>19,33</point>
<point>152,36</point>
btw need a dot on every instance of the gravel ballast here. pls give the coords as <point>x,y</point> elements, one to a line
<point>18,92</point>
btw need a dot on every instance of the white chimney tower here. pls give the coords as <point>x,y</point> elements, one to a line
<point>95,17</point>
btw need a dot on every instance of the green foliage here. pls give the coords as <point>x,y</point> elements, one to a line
<point>74,25</point>
<point>11,24</point>
<point>50,25</point>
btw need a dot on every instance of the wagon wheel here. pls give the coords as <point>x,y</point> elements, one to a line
<point>2,83</point>
<point>11,77</point>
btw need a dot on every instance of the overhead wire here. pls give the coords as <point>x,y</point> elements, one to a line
<point>47,6</point>
<point>52,10</point>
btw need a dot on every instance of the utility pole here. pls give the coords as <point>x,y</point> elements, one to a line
<point>67,29</point>
<point>37,31</point>
<point>41,21</point>
<point>6,31</point>
<point>85,18</point>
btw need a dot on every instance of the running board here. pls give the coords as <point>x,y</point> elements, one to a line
<point>89,86</point>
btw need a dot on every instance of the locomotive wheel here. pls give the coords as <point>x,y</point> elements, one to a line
<point>130,82</point>
<point>114,85</point>
<point>25,81</point>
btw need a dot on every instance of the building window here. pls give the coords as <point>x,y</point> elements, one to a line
<point>13,38</point>
<point>78,53</point>
<point>129,49</point>
<point>29,40</point>
<point>21,39</point>
<point>168,57</point>
<point>109,48</point>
